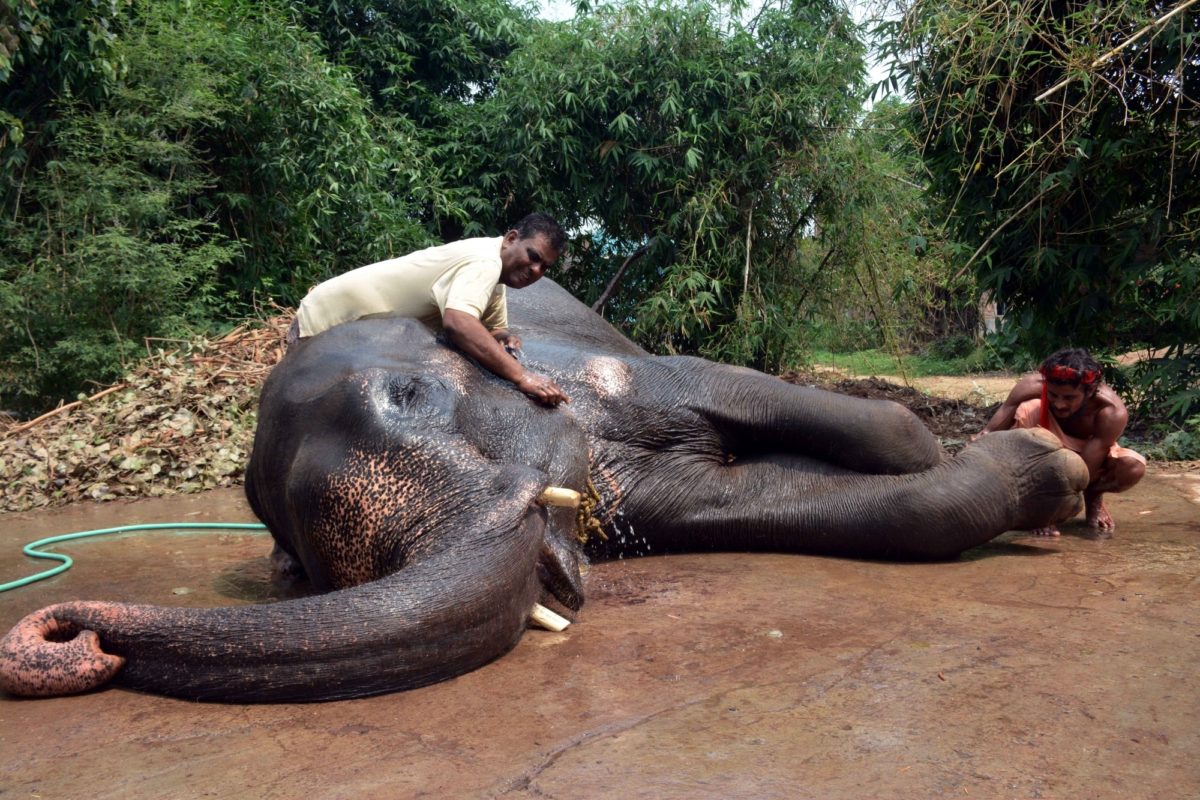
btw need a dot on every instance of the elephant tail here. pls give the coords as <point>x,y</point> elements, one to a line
<point>431,621</point>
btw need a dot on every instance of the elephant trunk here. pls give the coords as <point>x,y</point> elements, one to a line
<point>430,621</point>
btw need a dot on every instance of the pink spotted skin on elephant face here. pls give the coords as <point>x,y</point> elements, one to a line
<point>380,501</point>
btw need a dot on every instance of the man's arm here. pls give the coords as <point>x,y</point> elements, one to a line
<point>1110,423</point>
<point>469,335</point>
<point>1028,387</point>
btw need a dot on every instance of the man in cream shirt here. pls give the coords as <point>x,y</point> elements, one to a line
<point>459,287</point>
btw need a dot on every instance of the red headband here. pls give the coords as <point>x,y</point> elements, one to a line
<point>1064,374</point>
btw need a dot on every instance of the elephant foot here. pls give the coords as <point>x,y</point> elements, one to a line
<point>1048,479</point>
<point>44,655</point>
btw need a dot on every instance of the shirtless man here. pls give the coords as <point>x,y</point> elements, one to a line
<point>1067,398</point>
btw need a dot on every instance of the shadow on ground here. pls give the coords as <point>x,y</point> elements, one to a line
<point>1029,668</point>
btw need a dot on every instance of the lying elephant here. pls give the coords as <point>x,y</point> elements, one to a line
<point>394,472</point>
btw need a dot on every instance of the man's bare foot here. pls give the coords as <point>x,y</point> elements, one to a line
<point>1098,518</point>
<point>1048,530</point>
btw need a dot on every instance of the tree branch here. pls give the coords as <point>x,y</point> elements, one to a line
<point>993,234</point>
<point>813,279</point>
<point>1100,60</point>
<point>746,270</point>
<point>616,278</point>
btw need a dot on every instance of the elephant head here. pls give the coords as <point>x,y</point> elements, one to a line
<point>379,447</point>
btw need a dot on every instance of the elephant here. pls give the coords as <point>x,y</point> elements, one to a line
<point>408,486</point>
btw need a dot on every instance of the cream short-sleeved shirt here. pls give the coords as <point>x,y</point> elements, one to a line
<point>463,275</point>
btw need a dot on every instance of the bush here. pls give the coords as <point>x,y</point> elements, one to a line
<point>222,160</point>
<point>952,347</point>
<point>106,253</point>
<point>1180,445</point>
<point>1163,394</point>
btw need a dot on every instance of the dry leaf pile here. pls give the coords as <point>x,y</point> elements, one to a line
<point>182,422</point>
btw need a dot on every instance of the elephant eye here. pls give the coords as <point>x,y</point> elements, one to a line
<point>404,393</point>
<point>418,396</point>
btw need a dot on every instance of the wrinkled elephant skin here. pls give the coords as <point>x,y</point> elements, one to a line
<point>403,482</point>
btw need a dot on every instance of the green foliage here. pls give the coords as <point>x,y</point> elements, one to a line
<point>1006,350</point>
<point>952,347</point>
<point>419,58</point>
<point>1162,392</point>
<point>679,128</point>
<point>875,361</point>
<point>306,176</point>
<point>889,275</point>
<point>1179,445</point>
<point>848,333</point>
<point>48,49</point>
<point>1075,203</point>
<point>107,259</point>
<point>175,162</point>
<point>225,159</point>
<point>426,66</point>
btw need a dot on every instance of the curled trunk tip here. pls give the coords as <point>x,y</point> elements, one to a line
<point>44,656</point>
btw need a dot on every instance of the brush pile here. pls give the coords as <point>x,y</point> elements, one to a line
<point>183,421</point>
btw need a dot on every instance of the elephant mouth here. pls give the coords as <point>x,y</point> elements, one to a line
<point>558,559</point>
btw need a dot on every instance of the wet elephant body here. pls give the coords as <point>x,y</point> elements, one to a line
<point>404,482</point>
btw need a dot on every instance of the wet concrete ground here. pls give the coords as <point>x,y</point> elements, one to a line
<point>1029,668</point>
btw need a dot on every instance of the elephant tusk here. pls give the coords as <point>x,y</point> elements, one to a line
<point>547,618</point>
<point>559,496</point>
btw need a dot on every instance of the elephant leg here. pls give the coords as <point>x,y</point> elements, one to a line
<point>785,503</point>
<point>759,414</point>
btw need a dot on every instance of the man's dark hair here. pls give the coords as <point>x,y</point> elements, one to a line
<point>1074,366</point>
<point>537,222</point>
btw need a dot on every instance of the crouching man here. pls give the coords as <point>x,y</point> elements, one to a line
<point>1067,398</point>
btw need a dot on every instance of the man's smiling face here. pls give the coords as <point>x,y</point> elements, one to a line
<point>524,261</point>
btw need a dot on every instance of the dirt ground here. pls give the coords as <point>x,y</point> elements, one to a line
<point>1029,668</point>
<point>979,390</point>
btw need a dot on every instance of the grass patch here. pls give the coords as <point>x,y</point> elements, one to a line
<point>881,362</point>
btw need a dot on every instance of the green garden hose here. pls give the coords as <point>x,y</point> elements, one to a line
<point>32,551</point>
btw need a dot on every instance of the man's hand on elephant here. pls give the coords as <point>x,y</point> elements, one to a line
<point>542,389</point>
<point>509,341</point>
